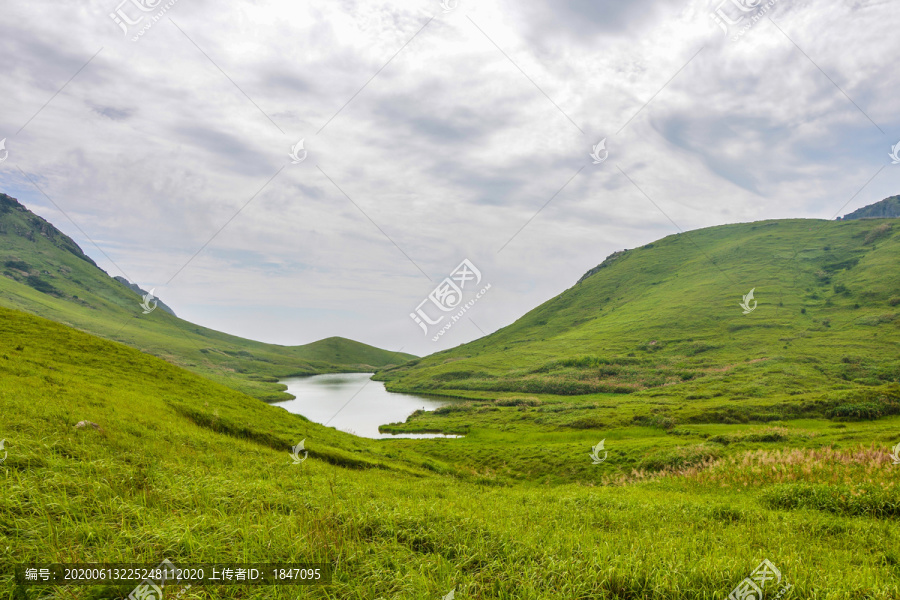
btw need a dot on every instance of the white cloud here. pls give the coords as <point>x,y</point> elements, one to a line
<point>449,149</point>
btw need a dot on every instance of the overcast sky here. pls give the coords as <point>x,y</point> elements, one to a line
<point>429,137</point>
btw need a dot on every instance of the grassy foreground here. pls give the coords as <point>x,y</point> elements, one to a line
<point>191,470</point>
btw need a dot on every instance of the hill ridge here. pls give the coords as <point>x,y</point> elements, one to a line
<point>663,317</point>
<point>47,274</point>
<point>889,208</point>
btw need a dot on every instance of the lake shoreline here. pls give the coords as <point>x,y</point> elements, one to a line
<point>356,403</point>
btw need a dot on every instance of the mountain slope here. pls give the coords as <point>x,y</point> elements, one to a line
<point>889,208</point>
<point>142,292</point>
<point>182,468</point>
<point>46,273</point>
<point>667,317</point>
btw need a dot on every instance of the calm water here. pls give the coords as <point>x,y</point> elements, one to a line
<point>366,404</point>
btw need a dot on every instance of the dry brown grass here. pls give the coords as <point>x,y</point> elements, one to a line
<point>858,465</point>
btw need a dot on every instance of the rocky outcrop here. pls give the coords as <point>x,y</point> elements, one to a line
<point>889,208</point>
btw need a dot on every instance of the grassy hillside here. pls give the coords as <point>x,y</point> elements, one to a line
<point>664,321</point>
<point>186,469</point>
<point>46,273</point>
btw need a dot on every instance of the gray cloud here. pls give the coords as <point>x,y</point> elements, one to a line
<point>450,149</point>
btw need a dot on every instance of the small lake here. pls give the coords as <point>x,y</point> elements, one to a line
<point>353,403</point>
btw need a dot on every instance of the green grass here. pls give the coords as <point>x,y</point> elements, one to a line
<point>731,438</point>
<point>188,469</point>
<point>664,321</point>
<point>45,273</point>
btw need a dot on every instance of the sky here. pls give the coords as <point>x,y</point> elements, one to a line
<point>168,145</point>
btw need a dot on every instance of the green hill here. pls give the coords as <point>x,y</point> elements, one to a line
<point>47,274</point>
<point>665,320</point>
<point>180,467</point>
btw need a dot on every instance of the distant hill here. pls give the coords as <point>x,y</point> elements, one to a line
<point>666,318</point>
<point>46,273</point>
<point>142,292</point>
<point>889,208</point>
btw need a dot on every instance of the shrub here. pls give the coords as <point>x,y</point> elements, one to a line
<point>17,264</point>
<point>659,421</point>
<point>517,402</point>
<point>863,411</point>
<point>878,232</point>
<point>40,285</point>
<point>455,407</point>
<point>863,500</point>
<point>585,423</point>
<point>772,434</point>
<point>678,458</point>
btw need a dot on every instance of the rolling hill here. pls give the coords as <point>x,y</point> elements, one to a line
<point>47,274</point>
<point>665,320</point>
<point>110,455</point>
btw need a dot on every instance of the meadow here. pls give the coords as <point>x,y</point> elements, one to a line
<point>187,469</point>
<point>727,438</point>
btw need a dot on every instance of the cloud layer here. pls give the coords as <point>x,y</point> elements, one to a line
<point>432,137</point>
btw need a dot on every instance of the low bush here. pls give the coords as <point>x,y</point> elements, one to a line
<point>857,500</point>
<point>678,458</point>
